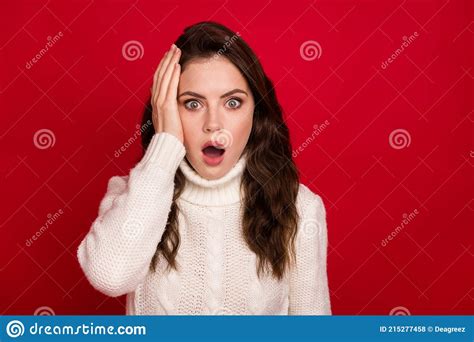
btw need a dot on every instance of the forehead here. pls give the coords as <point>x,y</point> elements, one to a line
<point>211,76</point>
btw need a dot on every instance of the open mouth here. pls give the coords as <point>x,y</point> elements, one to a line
<point>213,152</point>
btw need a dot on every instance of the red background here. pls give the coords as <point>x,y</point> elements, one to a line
<point>91,98</point>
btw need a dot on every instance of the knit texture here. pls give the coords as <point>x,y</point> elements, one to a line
<point>217,272</point>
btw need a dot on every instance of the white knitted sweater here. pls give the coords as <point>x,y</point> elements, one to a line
<point>217,271</point>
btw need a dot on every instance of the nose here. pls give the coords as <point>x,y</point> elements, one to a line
<point>212,122</point>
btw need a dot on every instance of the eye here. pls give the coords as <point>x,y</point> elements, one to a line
<point>192,104</point>
<point>234,103</point>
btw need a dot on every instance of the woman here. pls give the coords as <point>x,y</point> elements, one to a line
<point>212,219</point>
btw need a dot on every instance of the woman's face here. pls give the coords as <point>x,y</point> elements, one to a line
<point>215,104</point>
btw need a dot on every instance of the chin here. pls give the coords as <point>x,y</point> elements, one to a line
<point>213,172</point>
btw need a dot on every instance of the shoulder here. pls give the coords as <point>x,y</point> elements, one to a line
<point>311,212</point>
<point>312,225</point>
<point>309,202</point>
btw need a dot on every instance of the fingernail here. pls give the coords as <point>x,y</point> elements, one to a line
<point>173,46</point>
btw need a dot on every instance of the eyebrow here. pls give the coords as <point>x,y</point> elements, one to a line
<point>233,91</point>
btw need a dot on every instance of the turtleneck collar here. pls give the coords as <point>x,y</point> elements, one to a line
<point>215,192</point>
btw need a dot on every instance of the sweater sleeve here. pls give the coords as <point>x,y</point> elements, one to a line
<point>309,290</point>
<point>116,252</point>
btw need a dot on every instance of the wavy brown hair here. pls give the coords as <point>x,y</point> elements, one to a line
<point>270,179</point>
